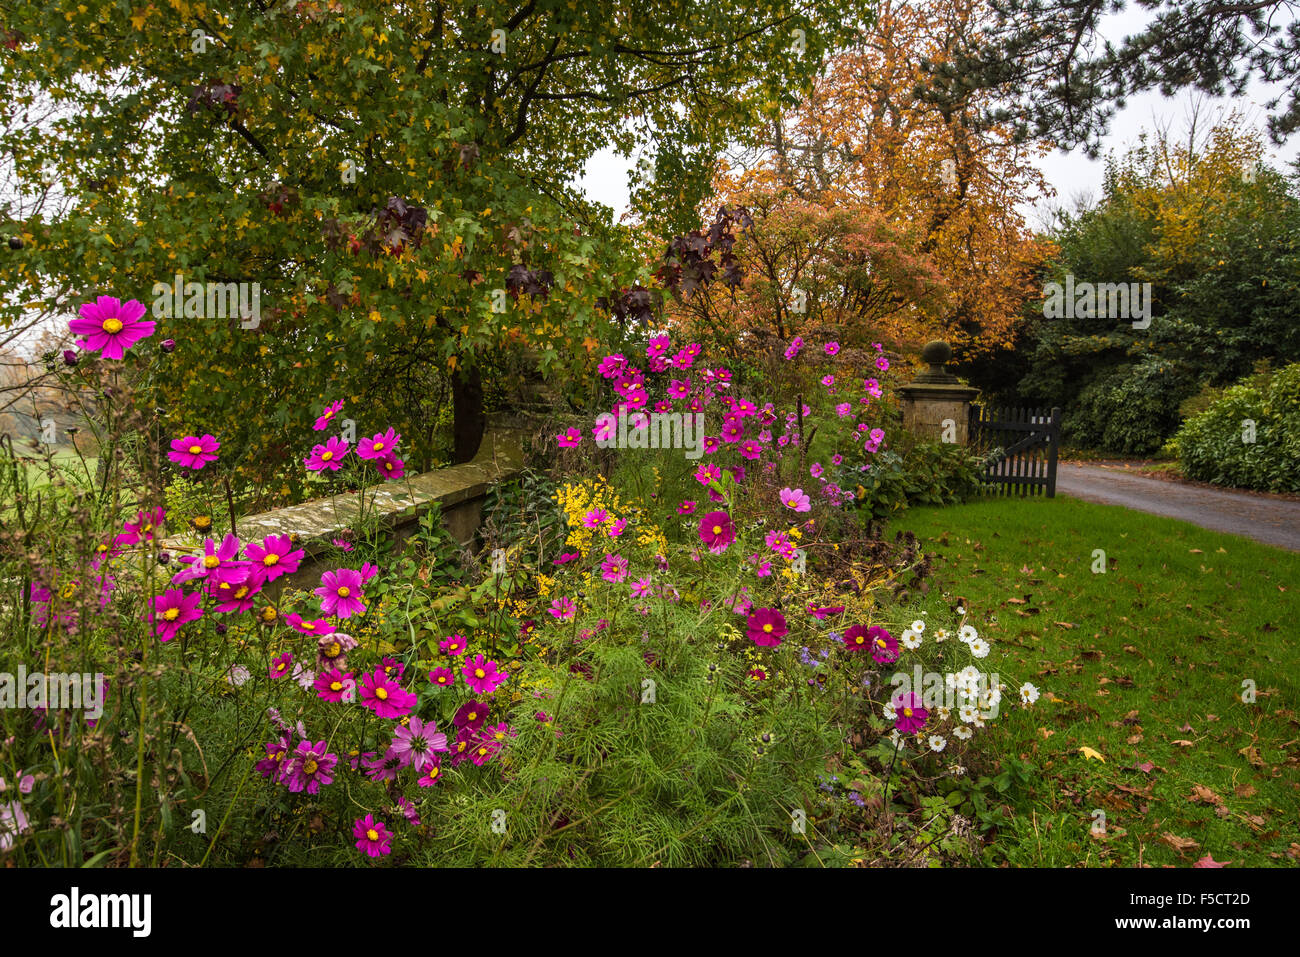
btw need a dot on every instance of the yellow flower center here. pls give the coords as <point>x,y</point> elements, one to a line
<point>717,529</point>
<point>343,591</point>
<point>858,639</point>
<point>211,561</point>
<point>482,751</point>
<point>333,650</point>
<point>326,456</point>
<point>310,766</point>
<point>880,643</point>
<point>241,591</point>
<point>480,673</point>
<point>270,558</point>
<point>372,834</point>
<point>907,712</point>
<point>268,614</point>
<point>112,326</point>
<point>336,686</point>
<point>171,614</point>
<point>768,627</point>
<point>473,716</point>
<point>379,446</point>
<point>381,694</point>
<point>195,449</point>
<point>309,625</point>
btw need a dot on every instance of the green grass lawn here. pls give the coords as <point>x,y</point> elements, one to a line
<point>1143,663</point>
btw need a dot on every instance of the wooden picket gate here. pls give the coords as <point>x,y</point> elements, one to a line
<point>1022,445</point>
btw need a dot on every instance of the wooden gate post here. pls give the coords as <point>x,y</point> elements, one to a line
<point>1055,433</point>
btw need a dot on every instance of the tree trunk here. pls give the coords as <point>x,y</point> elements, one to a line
<point>468,417</point>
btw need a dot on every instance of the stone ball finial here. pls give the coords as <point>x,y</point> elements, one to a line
<point>936,353</point>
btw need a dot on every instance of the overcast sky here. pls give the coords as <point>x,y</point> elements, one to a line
<point>1070,174</point>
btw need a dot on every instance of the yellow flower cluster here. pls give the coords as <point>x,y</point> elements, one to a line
<point>578,499</point>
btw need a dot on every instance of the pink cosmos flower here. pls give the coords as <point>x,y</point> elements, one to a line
<point>642,588</point>
<point>432,773</point>
<point>707,473</point>
<point>821,614</point>
<point>844,410</point>
<point>194,452</point>
<point>882,363</point>
<point>332,649</point>
<point>733,430</point>
<point>280,665</point>
<point>909,716</point>
<point>613,568</point>
<point>831,348</point>
<point>606,427</point>
<point>442,677</point>
<point>766,626</point>
<point>276,556</point>
<point>391,467</point>
<point>111,326</point>
<point>595,518</point>
<point>372,836</point>
<point>617,529</point>
<point>310,768</point>
<point>884,646</point>
<point>471,715</point>
<point>563,609</point>
<point>569,438</point>
<point>416,743</point>
<point>143,529</point>
<point>455,645</point>
<point>335,685</point>
<point>482,675</point>
<point>611,366</point>
<point>327,415</point>
<point>686,508</point>
<point>658,346</point>
<point>219,562</point>
<point>340,593</point>
<point>385,697</point>
<point>305,626</point>
<point>751,449</point>
<point>172,609</point>
<point>828,380</point>
<point>378,445</point>
<point>328,456</point>
<point>233,596</point>
<point>795,499</point>
<point>716,531</point>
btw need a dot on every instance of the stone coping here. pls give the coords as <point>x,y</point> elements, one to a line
<point>398,503</point>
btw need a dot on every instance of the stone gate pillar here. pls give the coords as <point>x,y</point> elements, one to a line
<point>935,404</point>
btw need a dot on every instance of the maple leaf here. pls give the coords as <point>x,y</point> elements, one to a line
<point>1089,754</point>
<point>1209,861</point>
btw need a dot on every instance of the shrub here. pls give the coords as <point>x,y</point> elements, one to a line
<point>1249,437</point>
<point>1131,411</point>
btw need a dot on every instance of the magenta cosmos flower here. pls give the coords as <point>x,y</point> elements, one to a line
<point>335,685</point>
<point>455,645</point>
<point>340,593</point>
<point>442,677</point>
<point>172,609</point>
<point>569,438</point>
<point>328,414</point>
<point>111,326</point>
<point>194,451</point>
<point>218,562</point>
<point>276,556</point>
<point>613,568</point>
<point>372,836</point>
<point>391,467</point>
<point>884,646</point>
<point>143,529</point>
<point>909,716</point>
<point>415,744</point>
<point>766,626</point>
<point>482,675</point>
<point>328,456</point>
<point>795,499</point>
<point>280,665</point>
<point>307,626</point>
<point>385,697</point>
<point>378,446</point>
<point>310,768</point>
<point>716,531</point>
<point>563,608</point>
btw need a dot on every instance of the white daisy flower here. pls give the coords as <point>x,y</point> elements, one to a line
<point>968,634</point>
<point>963,732</point>
<point>1028,693</point>
<point>937,742</point>
<point>888,711</point>
<point>992,698</point>
<point>918,626</point>
<point>950,682</point>
<point>979,648</point>
<point>943,713</point>
<point>910,639</point>
<point>970,675</point>
<point>957,769</point>
<point>961,610</point>
<point>941,634</point>
<point>978,720</point>
<point>968,713</point>
<point>895,738</point>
